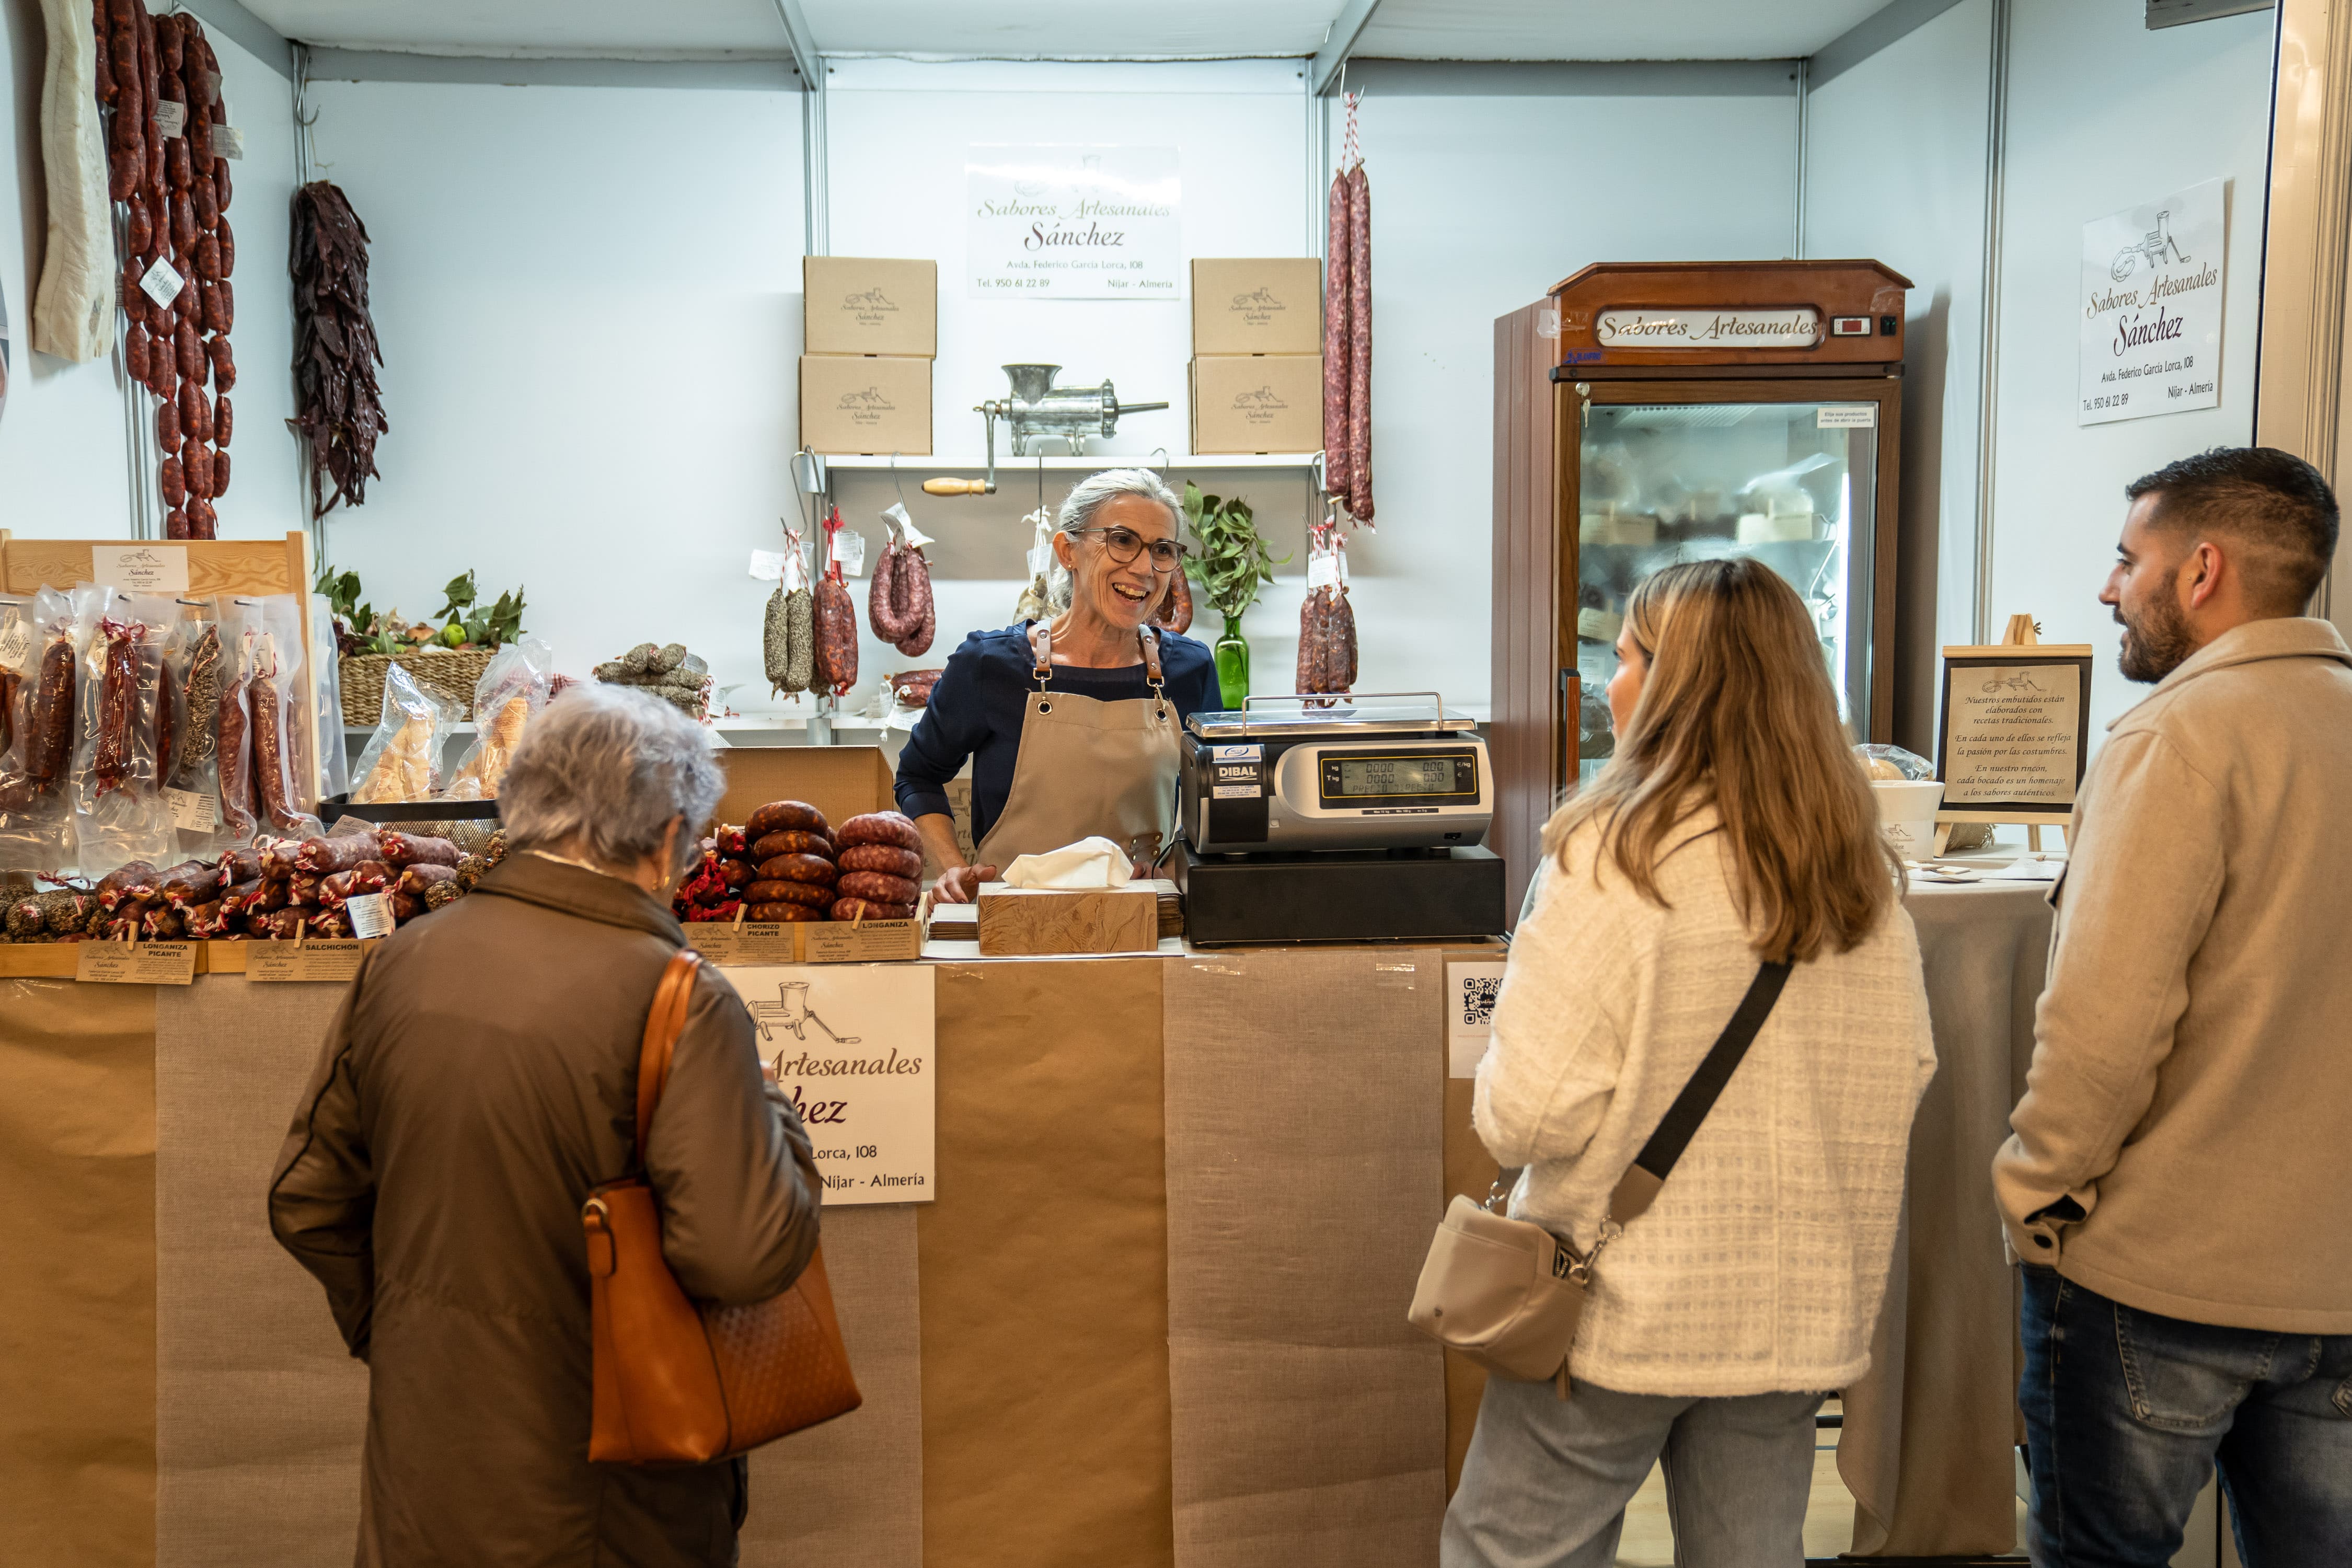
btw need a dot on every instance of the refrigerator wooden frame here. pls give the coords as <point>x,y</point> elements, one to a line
<point>1540,409</point>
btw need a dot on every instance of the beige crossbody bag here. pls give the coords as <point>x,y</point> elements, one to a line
<point>1507,1293</point>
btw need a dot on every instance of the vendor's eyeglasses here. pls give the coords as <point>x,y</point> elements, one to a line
<point>1125,544</point>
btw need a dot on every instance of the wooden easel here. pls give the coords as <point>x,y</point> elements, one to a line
<point>2021,633</point>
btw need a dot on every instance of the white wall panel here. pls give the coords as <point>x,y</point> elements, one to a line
<point>589,300</point>
<point>2091,93</point>
<point>64,461</point>
<point>63,469</point>
<point>1480,204</point>
<point>1895,170</point>
<point>899,133</point>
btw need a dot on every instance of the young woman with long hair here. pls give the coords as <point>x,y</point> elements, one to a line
<point>1733,825</point>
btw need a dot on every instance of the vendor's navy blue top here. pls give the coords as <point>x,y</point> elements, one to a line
<point>977,707</point>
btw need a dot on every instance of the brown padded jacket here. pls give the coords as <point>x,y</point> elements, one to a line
<point>479,1078</point>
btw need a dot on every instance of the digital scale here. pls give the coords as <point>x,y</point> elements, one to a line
<point>1335,823</point>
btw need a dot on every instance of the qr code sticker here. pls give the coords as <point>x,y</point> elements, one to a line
<point>1478,993</point>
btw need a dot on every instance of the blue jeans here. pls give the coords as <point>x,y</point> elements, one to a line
<point>1546,1481</point>
<point>2127,1413</point>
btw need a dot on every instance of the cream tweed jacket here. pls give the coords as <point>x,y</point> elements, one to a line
<point>1760,1266</point>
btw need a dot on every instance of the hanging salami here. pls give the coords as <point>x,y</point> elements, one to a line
<point>1360,345</point>
<point>1335,343</point>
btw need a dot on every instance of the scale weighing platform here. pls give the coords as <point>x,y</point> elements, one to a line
<point>1335,823</point>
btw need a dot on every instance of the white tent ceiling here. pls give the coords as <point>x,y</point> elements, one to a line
<point>1409,30</point>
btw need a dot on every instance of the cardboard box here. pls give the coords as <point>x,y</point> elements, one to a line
<point>841,782</point>
<point>860,305</point>
<point>1257,403</point>
<point>861,403</point>
<point>1017,921</point>
<point>1258,307</point>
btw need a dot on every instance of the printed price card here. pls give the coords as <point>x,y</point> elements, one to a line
<point>163,284</point>
<point>136,963</point>
<point>323,962</point>
<point>191,809</point>
<point>851,1046</point>
<point>370,914</point>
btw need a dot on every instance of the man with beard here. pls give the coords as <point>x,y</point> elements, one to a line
<point>2178,1186</point>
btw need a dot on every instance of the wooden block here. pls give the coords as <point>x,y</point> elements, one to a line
<point>1014,920</point>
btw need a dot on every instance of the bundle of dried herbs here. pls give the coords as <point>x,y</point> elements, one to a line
<point>338,410</point>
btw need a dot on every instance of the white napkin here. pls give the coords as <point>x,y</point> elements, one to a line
<point>1088,863</point>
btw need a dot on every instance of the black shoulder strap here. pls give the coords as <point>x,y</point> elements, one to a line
<point>1699,1096</point>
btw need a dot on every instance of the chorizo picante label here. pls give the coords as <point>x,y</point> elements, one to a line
<point>136,963</point>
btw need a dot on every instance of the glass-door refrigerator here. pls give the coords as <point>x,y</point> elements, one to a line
<point>1652,413</point>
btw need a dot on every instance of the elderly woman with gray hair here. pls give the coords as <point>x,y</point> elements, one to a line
<point>1070,724</point>
<point>478,1079</point>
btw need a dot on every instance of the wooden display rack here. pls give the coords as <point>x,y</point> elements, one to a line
<point>2022,634</point>
<point>248,566</point>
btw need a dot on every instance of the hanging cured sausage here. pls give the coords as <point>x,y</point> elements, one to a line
<point>1336,295</point>
<point>175,191</point>
<point>1348,331</point>
<point>1360,345</point>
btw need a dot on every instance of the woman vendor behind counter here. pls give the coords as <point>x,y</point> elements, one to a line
<point>1071,725</point>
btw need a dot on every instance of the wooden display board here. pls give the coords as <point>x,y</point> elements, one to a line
<point>258,567</point>
<point>2014,737</point>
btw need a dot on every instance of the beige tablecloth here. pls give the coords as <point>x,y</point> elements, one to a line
<point>1930,1432</point>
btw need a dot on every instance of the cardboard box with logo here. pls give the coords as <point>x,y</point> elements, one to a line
<point>1257,403</point>
<point>1258,307</point>
<point>855,404</point>
<point>864,305</point>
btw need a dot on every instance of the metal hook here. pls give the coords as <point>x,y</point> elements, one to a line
<point>1165,461</point>
<point>894,479</point>
<point>1041,481</point>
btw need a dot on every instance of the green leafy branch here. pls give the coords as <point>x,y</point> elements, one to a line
<point>1233,559</point>
<point>468,622</point>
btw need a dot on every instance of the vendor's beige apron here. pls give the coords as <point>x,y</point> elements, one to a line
<point>1089,768</point>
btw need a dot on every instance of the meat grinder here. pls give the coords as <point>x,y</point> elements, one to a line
<point>1038,410</point>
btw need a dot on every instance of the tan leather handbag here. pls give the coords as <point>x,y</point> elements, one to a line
<point>680,1382</point>
<point>1507,1293</point>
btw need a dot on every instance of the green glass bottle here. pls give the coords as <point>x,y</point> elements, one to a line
<point>1233,665</point>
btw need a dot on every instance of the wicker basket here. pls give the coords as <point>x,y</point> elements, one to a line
<point>450,675</point>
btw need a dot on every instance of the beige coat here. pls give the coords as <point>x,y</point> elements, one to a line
<point>2185,1141</point>
<point>479,1079</point>
<point>1761,1267</point>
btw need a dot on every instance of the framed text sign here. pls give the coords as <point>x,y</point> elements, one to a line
<point>2014,738</point>
<point>1073,223</point>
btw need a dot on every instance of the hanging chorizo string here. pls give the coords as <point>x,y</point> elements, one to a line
<point>1348,329</point>
<point>175,191</point>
